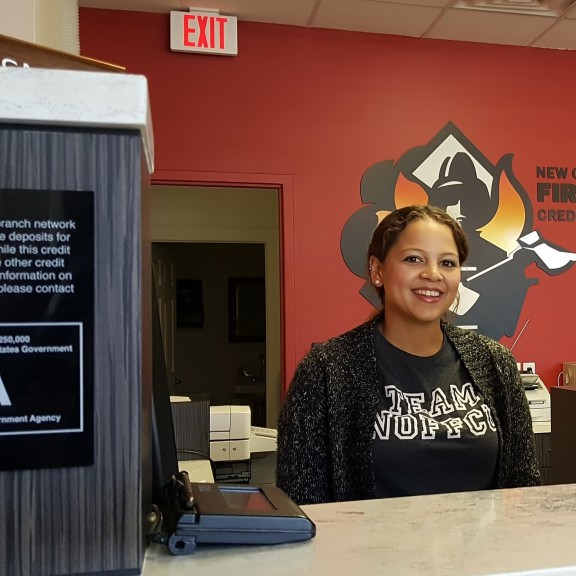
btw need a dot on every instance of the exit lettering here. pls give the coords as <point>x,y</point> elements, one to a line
<point>202,31</point>
<point>205,32</point>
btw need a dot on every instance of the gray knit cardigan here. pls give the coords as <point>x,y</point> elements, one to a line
<point>327,420</point>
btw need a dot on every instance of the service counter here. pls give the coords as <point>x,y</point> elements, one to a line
<point>515,531</point>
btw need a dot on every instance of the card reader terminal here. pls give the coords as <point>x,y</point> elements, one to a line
<point>234,514</point>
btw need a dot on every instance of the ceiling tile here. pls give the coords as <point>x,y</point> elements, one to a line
<point>294,12</point>
<point>437,3</point>
<point>163,6</point>
<point>489,27</point>
<point>562,35</point>
<point>401,17</point>
<point>571,13</point>
<point>380,17</point>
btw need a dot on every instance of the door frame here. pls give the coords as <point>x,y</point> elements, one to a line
<point>283,183</point>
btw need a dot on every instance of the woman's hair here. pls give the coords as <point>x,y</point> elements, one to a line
<point>386,233</point>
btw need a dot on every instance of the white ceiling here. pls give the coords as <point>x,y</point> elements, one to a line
<point>541,23</point>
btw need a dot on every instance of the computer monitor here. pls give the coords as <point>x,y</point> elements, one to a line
<point>164,456</point>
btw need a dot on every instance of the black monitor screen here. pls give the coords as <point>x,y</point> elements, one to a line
<point>165,459</point>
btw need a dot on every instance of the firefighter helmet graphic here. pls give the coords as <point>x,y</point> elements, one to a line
<point>491,206</point>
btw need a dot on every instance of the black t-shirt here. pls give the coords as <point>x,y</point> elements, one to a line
<point>433,431</point>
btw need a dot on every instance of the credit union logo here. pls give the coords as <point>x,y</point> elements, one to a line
<point>491,206</point>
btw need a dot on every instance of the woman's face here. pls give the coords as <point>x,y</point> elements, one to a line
<point>420,274</point>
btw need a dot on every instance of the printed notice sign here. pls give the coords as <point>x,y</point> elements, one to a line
<point>46,328</point>
<point>28,353</point>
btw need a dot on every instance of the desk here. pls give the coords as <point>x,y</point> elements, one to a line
<point>516,531</point>
<point>198,470</point>
<point>563,409</point>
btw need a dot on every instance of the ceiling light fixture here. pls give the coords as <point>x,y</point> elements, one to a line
<point>552,8</point>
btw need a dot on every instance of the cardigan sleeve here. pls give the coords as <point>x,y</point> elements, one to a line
<point>303,461</point>
<point>493,369</point>
<point>519,462</point>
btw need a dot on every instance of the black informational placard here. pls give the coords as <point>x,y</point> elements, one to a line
<point>46,328</point>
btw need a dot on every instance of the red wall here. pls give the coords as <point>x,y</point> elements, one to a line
<point>313,109</point>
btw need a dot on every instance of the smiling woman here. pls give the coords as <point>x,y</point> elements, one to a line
<point>406,403</point>
<point>418,280</point>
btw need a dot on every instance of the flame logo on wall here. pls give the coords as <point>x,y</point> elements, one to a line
<point>491,206</point>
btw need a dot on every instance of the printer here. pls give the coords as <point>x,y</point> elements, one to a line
<point>230,433</point>
<point>238,449</point>
<point>538,398</point>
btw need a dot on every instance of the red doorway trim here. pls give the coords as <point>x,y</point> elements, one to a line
<point>285,185</point>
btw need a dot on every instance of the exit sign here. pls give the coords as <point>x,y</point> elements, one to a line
<point>203,31</point>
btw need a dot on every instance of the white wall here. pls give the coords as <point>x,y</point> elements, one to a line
<point>220,214</point>
<point>51,23</point>
<point>17,19</point>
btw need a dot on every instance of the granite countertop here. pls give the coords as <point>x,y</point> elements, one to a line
<point>515,531</point>
<point>42,96</point>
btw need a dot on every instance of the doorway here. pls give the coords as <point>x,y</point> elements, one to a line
<point>205,237</point>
